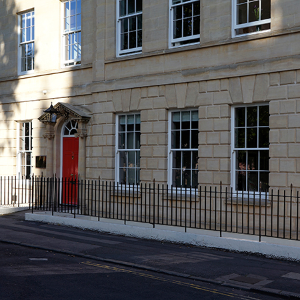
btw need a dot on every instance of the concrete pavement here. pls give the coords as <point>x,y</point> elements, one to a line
<point>257,273</point>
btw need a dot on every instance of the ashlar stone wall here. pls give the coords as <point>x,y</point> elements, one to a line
<point>213,99</point>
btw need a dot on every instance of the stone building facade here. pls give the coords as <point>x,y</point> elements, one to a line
<point>134,81</point>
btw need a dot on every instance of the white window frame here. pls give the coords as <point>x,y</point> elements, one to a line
<point>119,19</point>
<point>235,26</point>
<point>66,33</point>
<point>118,150</point>
<point>28,41</point>
<point>172,150</point>
<point>21,151</point>
<point>176,42</point>
<point>234,149</point>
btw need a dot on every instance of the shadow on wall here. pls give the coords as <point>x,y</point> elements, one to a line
<point>8,70</point>
<point>9,103</point>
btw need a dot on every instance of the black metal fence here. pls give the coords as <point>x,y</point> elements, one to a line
<point>15,191</point>
<point>273,214</point>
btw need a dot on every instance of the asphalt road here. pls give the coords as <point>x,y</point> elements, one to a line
<point>34,274</point>
<point>206,268</point>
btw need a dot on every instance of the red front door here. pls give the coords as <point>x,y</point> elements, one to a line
<point>70,170</point>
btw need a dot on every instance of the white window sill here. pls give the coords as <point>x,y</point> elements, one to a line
<point>26,73</point>
<point>250,33</point>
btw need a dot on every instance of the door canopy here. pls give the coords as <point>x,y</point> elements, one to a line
<point>68,112</point>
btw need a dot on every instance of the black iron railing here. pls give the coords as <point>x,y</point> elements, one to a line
<point>15,191</point>
<point>218,208</point>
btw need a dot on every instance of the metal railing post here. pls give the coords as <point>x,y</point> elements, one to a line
<point>220,208</point>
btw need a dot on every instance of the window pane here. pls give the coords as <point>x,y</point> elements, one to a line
<point>240,117</point>
<point>122,175</point>
<point>254,11</point>
<point>122,8</point>
<point>177,13</point>
<point>194,179</point>
<point>195,124</point>
<point>195,160</point>
<point>139,21</point>
<point>187,10</point>
<point>263,115</point>
<point>140,38</point>
<point>194,139</point>
<point>176,120</point>
<point>72,21</point>
<point>242,14</point>
<point>131,159</point>
<point>253,181</point>
<point>177,159</point>
<point>252,160</point>
<point>175,139</point>
<point>131,176</point>
<point>264,137</point>
<point>28,20</point>
<point>23,65</point>
<point>132,40</point>
<point>251,138</point>
<point>130,140</point>
<point>124,25</point>
<point>23,19</point>
<point>30,49</point>
<point>187,27</point>
<point>121,140</point>
<point>73,8</point>
<point>67,24</point>
<point>186,160</point>
<point>78,24</point>
<point>186,178</point>
<point>122,121</point>
<point>124,41</point>
<point>123,159</point>
<point>23,35</point>
<point>241,160</point>
<point>185,139</point>
<point>265,9</point>
<point>241,181</point>
<point>177,29</point>
<point>176,177</point>
<point>78,6</point>
<point>264,160</point>
<point>137,140</point>
<point>132,23</point>
<point>138,119</point>
<point>131,6</point>
<point>197,8</point>
<point>252,116</point>
<point>137,176</point>
<point>196,26</point>
<point>28,35</point>
<point>138,159</point>
<point>195,116</point>
<point>29,63</point>
<point>264,181</point>
<point>138,127</point>
<point>240,138</point>
<point>186,116</point>
<point>130,121</point>
<point>139,5</point>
